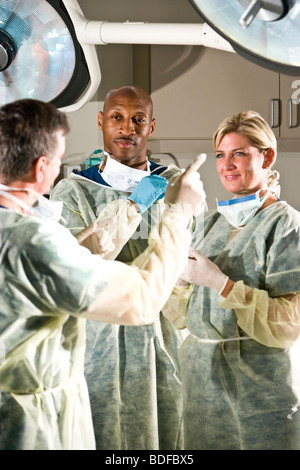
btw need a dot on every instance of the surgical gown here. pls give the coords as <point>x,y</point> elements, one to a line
<point>132,372</point>
<point>49,285</point>
<point>240,364</point>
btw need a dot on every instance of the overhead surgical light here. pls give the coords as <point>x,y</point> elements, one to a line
<point>47,49</point>
<point>40,56</point>
<point>264,32</point>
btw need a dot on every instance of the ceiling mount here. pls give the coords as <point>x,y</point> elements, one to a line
<point>271,10</point>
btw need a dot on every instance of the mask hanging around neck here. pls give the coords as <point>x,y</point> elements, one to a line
<point>44,208</point>
<point>122,177</point>
<point>240,210</point>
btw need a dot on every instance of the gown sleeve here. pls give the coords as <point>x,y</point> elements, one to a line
<point>120,219</point>
<point>175,309</point>
<point>270,313</point>
<point>274,322</point>
<point>135,293</point>
<point>121,216</point>
<point>60,277</point>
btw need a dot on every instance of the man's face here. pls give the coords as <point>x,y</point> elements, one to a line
<point>126,123</point>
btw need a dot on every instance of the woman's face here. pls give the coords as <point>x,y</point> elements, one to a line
<point>242,168</point>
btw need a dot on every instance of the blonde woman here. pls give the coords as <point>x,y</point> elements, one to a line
<point>240,379</point>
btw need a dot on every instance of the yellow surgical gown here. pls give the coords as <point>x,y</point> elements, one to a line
<point>132,372</point>
<point>240,363</point>
<point>49,285</point>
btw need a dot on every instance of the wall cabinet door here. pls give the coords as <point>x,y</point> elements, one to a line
<point>290,107</point>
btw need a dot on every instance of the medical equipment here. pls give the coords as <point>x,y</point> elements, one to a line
<point>264,32</point>
<point>93,159</point>
<point>40,57</point>
<point>47,47</point>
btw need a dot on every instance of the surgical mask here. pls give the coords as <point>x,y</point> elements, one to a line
<point>44,208</point>
<point>122,177</point>
<point>240,210</point>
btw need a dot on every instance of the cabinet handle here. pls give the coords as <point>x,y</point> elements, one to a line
<point>273,123</point>
<point>291,125</point>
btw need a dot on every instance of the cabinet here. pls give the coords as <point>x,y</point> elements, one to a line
<point>194,88</point>
<point>289,92</point>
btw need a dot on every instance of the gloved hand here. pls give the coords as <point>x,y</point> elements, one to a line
<point>186,188</point>
<point>96,239</point>
<point>203,272</point>
<point>148,190</point>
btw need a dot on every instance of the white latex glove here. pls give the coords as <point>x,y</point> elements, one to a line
<point>186,189</point>
<point>96,234</point>
<point>200,270</point>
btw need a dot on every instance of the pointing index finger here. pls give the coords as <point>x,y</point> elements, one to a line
<point>195,165</point>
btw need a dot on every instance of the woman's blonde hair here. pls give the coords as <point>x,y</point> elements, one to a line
<point>252,125</point>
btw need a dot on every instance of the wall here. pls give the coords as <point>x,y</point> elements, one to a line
<point>85,135</point>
